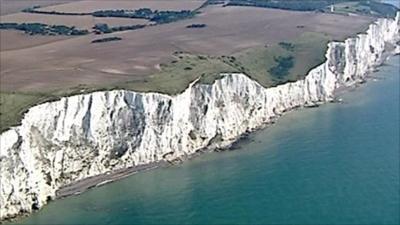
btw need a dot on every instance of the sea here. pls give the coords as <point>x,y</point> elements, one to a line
<point>335,164</point>
<point>393,2</point>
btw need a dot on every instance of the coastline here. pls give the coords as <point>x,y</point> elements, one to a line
<point>80,186</point>
<point>297,158</point>
<point>120,172</point>
<point>83,185</point>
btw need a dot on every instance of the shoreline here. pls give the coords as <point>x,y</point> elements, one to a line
<point>327,91</point>
<point>78,187</point>
<point>81,186</point>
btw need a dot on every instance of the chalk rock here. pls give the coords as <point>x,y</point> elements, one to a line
<point>86,135</point>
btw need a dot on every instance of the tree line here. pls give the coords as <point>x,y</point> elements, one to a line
<point>43,29</point>
<point>107,39</point>
<point>142,13</point>
<point>103,28</point>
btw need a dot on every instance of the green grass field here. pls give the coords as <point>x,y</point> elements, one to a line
<point>176,76</point>
<point>307,52</point>
<point>368,8</point>
<point>13,105</point>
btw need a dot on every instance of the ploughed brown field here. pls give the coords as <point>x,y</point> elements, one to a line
<point>30,63</point>
<point>14,6</point>
<point>85,6</point>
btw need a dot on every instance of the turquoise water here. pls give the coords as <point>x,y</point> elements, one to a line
<point>336,164</point>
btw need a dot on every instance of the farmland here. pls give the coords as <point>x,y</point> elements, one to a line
<point>87,6</point>
<point>82,22</point>
<point>12,6</point>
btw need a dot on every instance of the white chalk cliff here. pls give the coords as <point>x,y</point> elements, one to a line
<point>85,135</point>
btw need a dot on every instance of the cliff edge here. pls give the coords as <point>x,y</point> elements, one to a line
<point>86,135</point>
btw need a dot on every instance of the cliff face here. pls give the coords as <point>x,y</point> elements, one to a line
<point>86,135</point>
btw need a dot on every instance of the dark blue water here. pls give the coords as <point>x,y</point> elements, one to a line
<point>336,164</point>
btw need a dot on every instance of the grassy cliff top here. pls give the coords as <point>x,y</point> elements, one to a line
<point>362,7</point>
<point>269,65</point>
